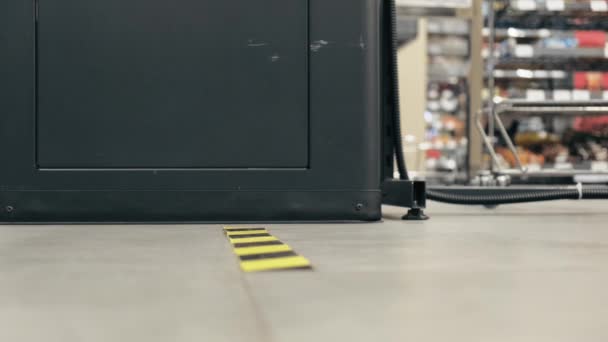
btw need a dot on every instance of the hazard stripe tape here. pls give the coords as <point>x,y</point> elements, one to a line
<point>258,250</point>
<point>248,232</point>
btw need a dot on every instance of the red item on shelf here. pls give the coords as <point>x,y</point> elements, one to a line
<point>580,80</point>
<point>590,38</point>
<point>590,124</point>
<point>433,154</point>
<point>605,81</point>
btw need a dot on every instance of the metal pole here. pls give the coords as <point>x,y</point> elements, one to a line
<point>490,66</point>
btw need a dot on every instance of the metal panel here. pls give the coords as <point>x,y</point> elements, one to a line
<point>343,168</point>
<point>172,84</point>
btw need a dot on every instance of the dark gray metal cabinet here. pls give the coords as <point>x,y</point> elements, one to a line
<point>189,110</point>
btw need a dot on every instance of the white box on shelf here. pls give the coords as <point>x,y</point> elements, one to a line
<point>599,6</point>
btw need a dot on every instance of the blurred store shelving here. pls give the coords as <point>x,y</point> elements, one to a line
<point>552,52</point>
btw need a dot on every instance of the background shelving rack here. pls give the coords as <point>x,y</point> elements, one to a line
<point>531,56</point>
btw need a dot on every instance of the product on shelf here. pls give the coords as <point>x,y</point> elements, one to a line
<point>590,38</point>
<point>596,125</point>
<point>526,156</point>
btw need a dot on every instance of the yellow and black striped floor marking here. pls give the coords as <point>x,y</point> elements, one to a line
<point>258,250</point>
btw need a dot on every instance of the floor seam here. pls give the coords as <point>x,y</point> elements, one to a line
<point>259,315</point>
<point>259,318</point>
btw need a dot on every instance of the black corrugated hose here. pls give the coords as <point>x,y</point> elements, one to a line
<point>394,93</point>
<point>444,194</point>
<point>504,197</point>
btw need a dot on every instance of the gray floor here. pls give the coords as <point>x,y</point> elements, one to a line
<point>518,273</point>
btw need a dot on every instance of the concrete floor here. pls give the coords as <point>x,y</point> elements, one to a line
<point>518,273</point>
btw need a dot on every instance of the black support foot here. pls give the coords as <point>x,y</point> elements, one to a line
<point>415,214</point>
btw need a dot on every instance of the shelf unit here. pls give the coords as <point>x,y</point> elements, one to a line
<point>453,37</point>
<point>559,6</point>
<point>545,72</point>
